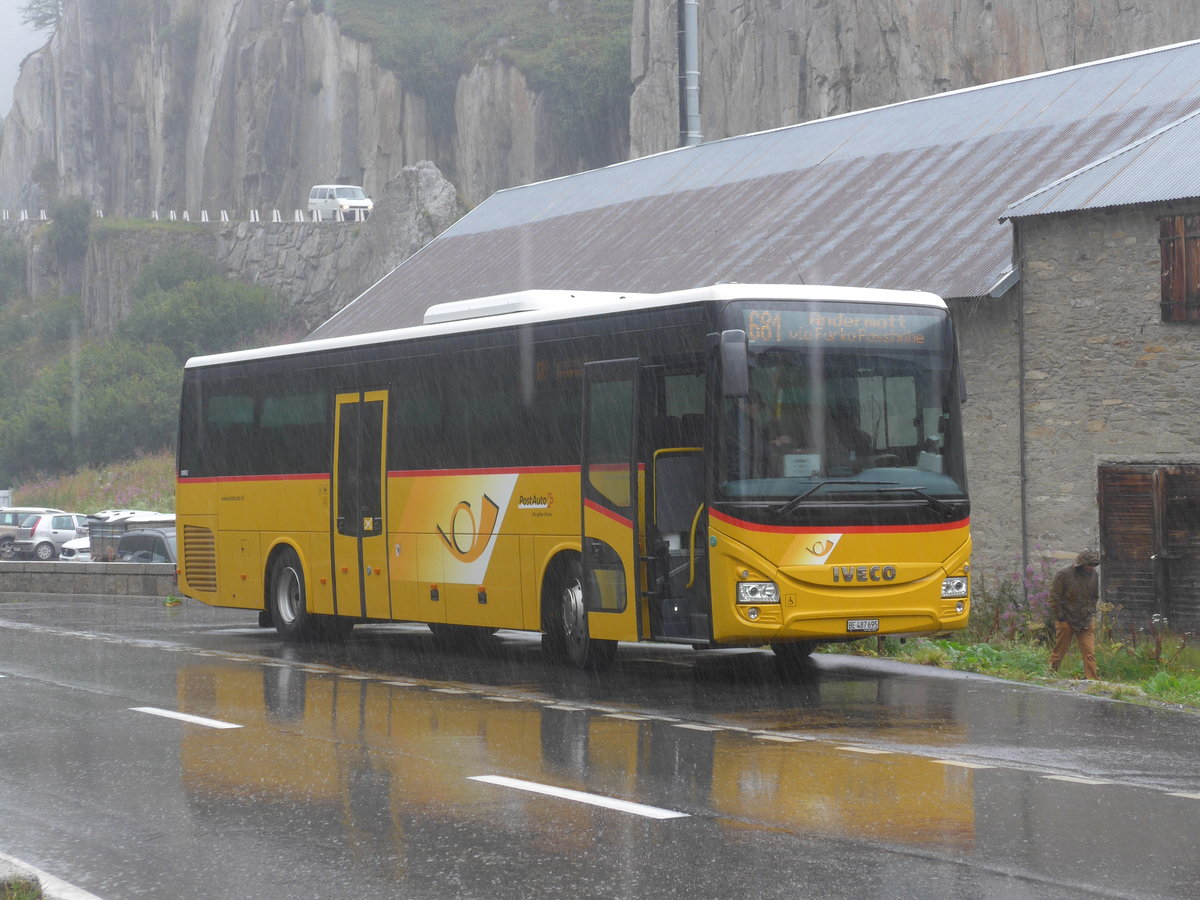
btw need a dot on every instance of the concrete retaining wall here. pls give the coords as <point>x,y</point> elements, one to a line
<point>94,579</point>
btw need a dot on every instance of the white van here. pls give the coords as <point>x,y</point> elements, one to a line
<point>326,200</point>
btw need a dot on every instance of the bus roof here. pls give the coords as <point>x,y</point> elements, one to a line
<point>532,307</point>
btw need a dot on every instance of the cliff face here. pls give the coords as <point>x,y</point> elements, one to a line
<point>236,104</point>
<point>767,63</point>
<point>240,104</point>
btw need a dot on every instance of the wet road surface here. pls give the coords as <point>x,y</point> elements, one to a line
<point>393,766</point>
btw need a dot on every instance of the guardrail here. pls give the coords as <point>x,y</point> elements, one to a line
<point>86,579</point>
<point>253,215</point>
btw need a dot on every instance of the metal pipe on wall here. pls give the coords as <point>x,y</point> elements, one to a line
<point>689,73</point>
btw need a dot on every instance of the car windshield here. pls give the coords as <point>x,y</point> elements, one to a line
<point>351,193</point>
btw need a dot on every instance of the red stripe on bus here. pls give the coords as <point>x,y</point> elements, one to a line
<point>515,470</point>
<point>214,479</point>
<point>615,516</point>
<point>841,529</point>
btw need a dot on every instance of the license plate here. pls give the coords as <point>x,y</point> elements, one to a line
<point>862,624</point>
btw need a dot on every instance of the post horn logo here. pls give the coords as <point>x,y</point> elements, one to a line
<point>820,549</point>
<point>467,538</point>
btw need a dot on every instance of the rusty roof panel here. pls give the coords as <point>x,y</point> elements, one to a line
<point>904,196</point>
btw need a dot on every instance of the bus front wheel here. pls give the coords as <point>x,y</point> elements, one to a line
<point>566,636</point>
<point>288,600</point>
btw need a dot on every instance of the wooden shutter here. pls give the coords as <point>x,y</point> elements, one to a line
<point>1182,546</point>
<point>1179,248</point>
<point>1127,516</point>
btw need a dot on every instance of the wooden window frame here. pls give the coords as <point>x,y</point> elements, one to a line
<point>1179,248</point>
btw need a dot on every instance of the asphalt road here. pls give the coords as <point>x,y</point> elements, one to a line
<point>392,766</point>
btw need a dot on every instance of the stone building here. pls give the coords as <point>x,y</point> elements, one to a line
<point>1041,208</point>
<point>1108,307</point>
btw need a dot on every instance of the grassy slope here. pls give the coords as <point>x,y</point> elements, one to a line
<point>144,483</point>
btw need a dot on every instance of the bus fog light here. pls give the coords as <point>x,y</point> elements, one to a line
<point>757,592</point>
<point>752,613</point>
<point>954,587</point>
<point>959,606</point>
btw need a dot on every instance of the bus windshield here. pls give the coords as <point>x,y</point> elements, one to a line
<point>850,406</point>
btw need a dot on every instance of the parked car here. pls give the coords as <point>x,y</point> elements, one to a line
<point>147,545</point>
<point>11,518</point>
<point>348,199</point>
<point>41,536</point>
<point>78,550</point>
<point>107,526</point>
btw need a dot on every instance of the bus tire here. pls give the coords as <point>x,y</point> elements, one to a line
<point>565,623</point>
<point>287,600</point>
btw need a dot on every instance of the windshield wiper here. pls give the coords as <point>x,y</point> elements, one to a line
<point>941,507</point>
<point>795,503</point>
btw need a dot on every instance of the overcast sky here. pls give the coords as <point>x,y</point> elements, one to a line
<point>16,42</point>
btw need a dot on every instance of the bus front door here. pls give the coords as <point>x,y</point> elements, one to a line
<point>359,538</point>
<point>610,499</point>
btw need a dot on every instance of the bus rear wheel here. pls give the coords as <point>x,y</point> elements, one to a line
<point>566,636</point>
<point>288,599</point>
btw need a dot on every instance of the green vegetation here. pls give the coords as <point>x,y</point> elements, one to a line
<point>1010,634</point>
<point>147,482</point>
<point>575,52</point>
<point>21,889</point>
<point>71,401</point>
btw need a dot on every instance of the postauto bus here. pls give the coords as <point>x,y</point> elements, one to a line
<point>736,465</point>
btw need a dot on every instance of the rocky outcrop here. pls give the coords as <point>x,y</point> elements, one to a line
<point>317,267</point>
<point>244,104</point>
<point>241,104</point>
<point>765,63</point>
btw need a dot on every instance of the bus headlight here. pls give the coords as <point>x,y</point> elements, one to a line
<point>757,592</point>
<point>955,587</point>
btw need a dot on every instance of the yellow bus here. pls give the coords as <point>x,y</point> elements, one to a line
<point>734,465</point>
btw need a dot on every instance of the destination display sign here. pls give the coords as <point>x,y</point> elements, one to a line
<point>830,327</point>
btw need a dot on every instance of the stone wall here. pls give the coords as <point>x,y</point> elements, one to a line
<point>989,348</point>
<point>22,579</point>
<point>1106,381</point>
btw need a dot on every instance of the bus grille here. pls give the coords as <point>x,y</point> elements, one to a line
<point>199,558</point>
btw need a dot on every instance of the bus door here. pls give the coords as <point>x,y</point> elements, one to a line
<point>359,480</point>
<point>609,474</point>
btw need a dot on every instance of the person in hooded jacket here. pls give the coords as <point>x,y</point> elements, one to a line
<point>1073,596</point>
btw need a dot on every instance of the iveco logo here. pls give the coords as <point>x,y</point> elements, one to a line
<point>863,573</point>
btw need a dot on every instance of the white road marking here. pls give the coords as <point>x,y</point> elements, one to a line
<point>1186,794</point>
<point>184,717</point>
<point>781,738</point>
<point>960,764</point>
<point>637,809</point>
<point>1075,779</point>
<point>500,699</point>
<point>697,727</point>
<point>627,717</point>
<point>867,750</point>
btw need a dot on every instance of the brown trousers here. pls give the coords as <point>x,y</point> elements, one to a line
<point>1087,647</point>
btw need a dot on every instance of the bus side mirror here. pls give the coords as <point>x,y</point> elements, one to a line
<point>735,368</point>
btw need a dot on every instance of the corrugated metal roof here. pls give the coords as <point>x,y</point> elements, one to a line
<point>906,196</point>
<point>1162,166</point>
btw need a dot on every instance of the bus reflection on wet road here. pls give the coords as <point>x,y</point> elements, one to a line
<point>757,764</point>
<point>395,766</point>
